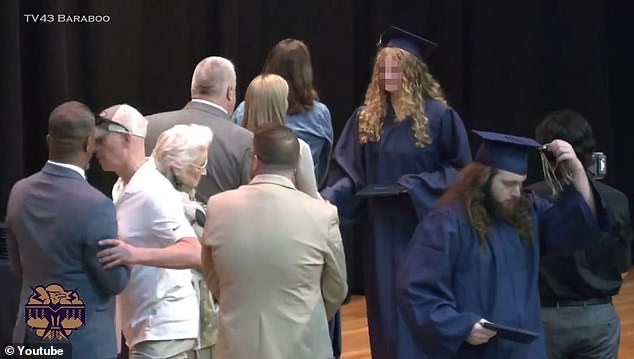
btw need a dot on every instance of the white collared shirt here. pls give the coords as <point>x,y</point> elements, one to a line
<point>210,104</point>
<point>69,166</point>
<point>158,303</point>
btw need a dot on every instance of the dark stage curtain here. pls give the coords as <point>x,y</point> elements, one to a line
<point>503,64</point>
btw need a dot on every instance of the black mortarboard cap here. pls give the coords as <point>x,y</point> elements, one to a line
<point>505,152</point>
<point>414,44</point>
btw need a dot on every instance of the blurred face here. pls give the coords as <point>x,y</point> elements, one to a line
<point>190,174</point>
<point>506,186</point>
<point>390,74</point>
<point>110,151</point>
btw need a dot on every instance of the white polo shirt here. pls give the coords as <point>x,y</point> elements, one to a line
<point>157,303</point>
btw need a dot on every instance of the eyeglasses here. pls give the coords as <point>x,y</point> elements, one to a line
<point>202,167</point>
<point>109,125</point>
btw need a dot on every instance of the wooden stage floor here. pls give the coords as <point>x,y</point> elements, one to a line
<point>355,324</point>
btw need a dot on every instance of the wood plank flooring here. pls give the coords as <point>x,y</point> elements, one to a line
<point>356,344</point>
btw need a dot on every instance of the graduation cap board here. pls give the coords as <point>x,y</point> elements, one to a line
<point>511,333</point>
<point>381,190</point>
<point>414,44</point>
<point>505,152</point>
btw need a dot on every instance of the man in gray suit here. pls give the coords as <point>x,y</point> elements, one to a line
<point>273,257</point>
<point>55,219</point>
<point>213,93</point>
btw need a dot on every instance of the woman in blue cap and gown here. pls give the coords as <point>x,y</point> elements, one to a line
<point>475,258</point>
<point>397,154</point>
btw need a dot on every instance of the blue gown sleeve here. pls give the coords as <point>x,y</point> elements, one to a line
<point>424,286</point>
<point>347,174</point>
<point>425,188</point>
<point>568,223</point>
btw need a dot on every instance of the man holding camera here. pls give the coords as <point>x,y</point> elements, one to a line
<point>576,290</point>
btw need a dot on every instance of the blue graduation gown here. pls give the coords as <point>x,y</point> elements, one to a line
<point>425,173</point>
<point>448,280</point>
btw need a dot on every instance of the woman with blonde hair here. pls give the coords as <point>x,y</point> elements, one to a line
<point>266,102</point>
<point>308,117</point>
<point>181,154</point>
<point>397,153</point>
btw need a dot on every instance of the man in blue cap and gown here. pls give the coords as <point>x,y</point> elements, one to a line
<point>474,260</point>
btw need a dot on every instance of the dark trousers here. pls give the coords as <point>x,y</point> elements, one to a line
<point>583,332</point>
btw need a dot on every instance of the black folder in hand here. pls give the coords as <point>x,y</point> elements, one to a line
<point>381,190</point>
<point>511,333</point>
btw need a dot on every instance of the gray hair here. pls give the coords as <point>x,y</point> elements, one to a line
<point>212,76</point>
<point>180,146</point>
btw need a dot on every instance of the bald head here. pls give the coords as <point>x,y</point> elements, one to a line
<point>214,80</point>
<point>70,126</point>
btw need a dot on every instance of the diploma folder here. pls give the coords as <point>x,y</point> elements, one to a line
<point>381,190</point>
<point>511,333</point>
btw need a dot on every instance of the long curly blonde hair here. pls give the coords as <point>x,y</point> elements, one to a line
<point>417,85</point>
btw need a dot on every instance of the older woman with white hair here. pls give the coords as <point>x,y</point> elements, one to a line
<point>181,154</point>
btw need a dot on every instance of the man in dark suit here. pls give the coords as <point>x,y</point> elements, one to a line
<point>213,93</point>
<point>576,290</point>
<point>55,219</point>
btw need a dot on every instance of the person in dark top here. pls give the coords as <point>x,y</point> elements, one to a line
<point>576,290</point>
<point>475,257</point>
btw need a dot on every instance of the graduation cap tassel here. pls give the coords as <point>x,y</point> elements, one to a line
<point>550,175</point>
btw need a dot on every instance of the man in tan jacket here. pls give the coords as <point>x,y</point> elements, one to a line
<point>273,258</point>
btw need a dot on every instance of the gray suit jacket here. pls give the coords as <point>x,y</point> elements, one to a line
<point>55,219</point>
<point>229,164</point>
<point>274,260</point>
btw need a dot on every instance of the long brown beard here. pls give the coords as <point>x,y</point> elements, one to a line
<point>515,211</point>
<point>472,189</point>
